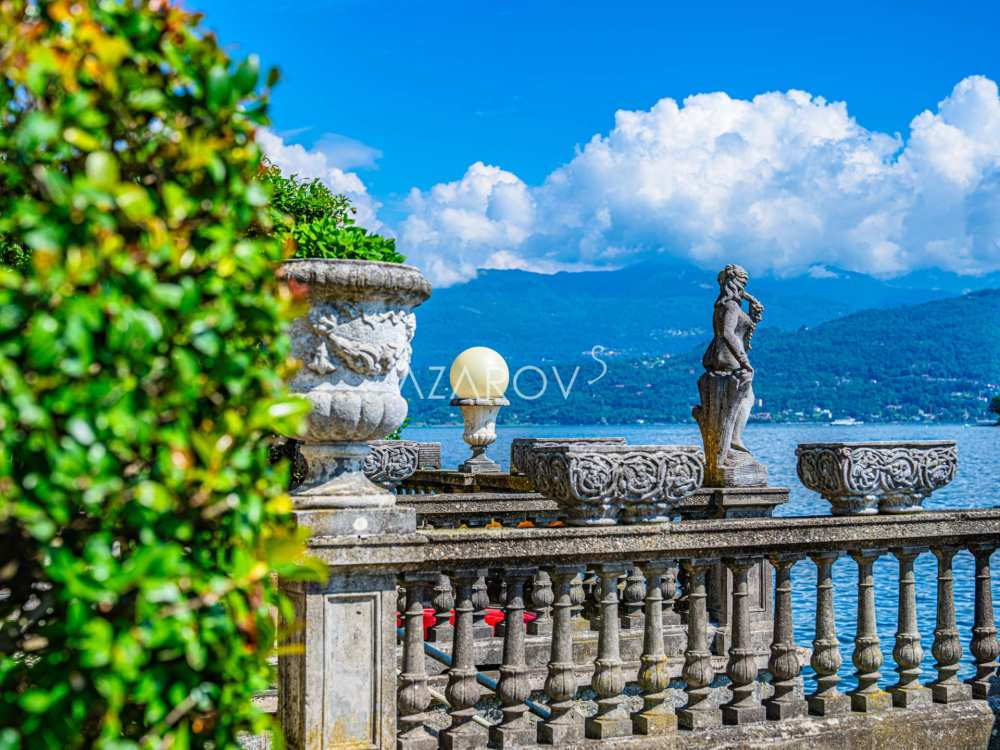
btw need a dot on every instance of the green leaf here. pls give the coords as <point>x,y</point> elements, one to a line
<point>102,170</point>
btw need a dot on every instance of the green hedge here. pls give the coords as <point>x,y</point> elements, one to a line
<point>141,361</point>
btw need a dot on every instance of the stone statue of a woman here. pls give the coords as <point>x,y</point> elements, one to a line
<point>726,388</point>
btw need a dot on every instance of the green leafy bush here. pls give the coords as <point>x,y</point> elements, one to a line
<point>319,223</point>
<point>142,349</point>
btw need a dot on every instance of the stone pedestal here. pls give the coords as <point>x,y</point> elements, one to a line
<point>337,685</point>
<point>480,417</point>
<point>339,690</point>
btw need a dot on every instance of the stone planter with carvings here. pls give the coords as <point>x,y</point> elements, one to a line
<point>354,346</point>
<point>886,477</point>
<point>606,484</point>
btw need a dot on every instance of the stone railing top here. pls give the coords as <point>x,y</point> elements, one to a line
<point>358,279</point>
<point>714,538</point>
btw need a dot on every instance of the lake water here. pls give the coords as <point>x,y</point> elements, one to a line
<point>976,485</point>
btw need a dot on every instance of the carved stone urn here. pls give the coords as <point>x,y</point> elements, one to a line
<point>354,346</point>
<point>886,477</point>
<point>605,484</point>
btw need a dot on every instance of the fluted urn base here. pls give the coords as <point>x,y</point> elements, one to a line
<point>336,479</point>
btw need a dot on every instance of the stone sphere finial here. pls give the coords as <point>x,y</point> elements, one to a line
<point>479,372</point>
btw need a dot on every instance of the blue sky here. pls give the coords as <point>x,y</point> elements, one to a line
<point>407,95</point>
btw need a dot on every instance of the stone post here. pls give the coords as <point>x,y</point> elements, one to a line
<point>947,647</point>
<point>908,653</point>
<point>480,602</point>
<point>657,715</point>
<point>698,713</point>
<point>633,596</point>
<point>414,697</point>
<point>671,616</point>
<point>463,691</point>
<point>784,662</point>
<point>578,596</point>
<point>867,697</point>
<point>744,708</point>
<point>541,598</point>
<point>337,690</point>
<point>442,601</point>
<point>826,661</point>
<point>984,645</point>
<point>612,720</point>
<point>565,724</point>
<point>513,687</point>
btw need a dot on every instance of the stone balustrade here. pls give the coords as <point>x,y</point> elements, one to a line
<point>620,615</point>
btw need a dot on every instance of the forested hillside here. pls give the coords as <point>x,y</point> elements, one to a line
<point>938,360</point>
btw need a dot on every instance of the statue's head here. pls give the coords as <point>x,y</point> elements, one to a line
<point>732,281</point>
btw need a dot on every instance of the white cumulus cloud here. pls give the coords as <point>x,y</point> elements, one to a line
<point>786,181</point>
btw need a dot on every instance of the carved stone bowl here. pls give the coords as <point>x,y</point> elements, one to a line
<point>886,477</point>
<point>520,448</point>
<point>606,484</point>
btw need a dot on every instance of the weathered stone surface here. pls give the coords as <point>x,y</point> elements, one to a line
<point>725,537</point>
<point>726,388</point>
<point>603,484</point>
<point>391,461</point>
<point>886,477</point>
<point>964,726</point>
<point>354,344</point>
<point>520,448</point>
<point>359,522</point>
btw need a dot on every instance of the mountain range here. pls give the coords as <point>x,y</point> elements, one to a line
<point>656,307</point>
<point>833,344</point>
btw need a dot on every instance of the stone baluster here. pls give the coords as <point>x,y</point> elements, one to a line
<point>611,720</point>
<point>591,604</point>
<point>414,697</point>
<point>826,661</point>
<point>668,586</point>
<point>480,603</point>
<point>657,716</point>
<point>541,598</point>
<point>566,723</point>
<point>783,663</point>
<point>908,652</point>
<point>947,647</point>
<point>744,708</point>
<point>698,712</point>
<point>515,730</point>
<point>578,596</point>
<point>463,691</point>
<point>442,601</point>
<point>867,697</point>
<point>984,645</point>
<point>495,589</point>
<point>633,597</point>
